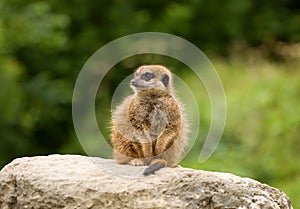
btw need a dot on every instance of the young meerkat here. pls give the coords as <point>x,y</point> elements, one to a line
<point>149,127</point>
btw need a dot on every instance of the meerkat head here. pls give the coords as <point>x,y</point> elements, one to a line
<point>149,77</point>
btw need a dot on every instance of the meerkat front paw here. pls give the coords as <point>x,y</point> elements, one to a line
<point>136,162</point>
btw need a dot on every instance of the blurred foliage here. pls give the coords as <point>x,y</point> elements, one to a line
<point>261,137</point>
<point>44,44</point>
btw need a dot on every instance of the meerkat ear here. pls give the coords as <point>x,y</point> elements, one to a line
<point>165,79</point>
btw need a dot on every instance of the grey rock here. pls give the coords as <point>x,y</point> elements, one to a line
<point>72,181</point>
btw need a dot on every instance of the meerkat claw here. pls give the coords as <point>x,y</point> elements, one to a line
<point>136,162</point>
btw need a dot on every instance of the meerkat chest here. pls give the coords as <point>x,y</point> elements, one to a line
<point>141,109</point>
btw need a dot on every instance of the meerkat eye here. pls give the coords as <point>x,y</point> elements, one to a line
<point>147,76</point>
<point>165,80</point>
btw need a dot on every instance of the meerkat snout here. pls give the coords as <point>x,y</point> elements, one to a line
<point>133,82</point>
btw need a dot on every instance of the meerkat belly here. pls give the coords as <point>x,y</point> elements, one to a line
<point>152,119</point>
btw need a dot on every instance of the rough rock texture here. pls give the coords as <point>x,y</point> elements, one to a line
<point>68,181</point>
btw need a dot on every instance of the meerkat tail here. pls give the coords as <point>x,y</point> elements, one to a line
<point>155,165</point>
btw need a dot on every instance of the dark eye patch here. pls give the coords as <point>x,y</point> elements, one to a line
<point>147,76</point>
<point>165,79</point>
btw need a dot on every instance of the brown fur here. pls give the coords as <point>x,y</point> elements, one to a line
<point>149,126</point>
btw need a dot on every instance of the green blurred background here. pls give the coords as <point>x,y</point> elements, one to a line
<point>254,45</point>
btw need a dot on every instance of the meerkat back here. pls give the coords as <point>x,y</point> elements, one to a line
<point>149,127</point>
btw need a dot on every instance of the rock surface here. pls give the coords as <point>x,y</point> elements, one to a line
<point>71,181</point>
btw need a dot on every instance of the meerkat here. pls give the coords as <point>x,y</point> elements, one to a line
<point>149,127</point>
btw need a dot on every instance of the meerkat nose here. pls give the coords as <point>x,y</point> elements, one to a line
<point>133,82</point>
